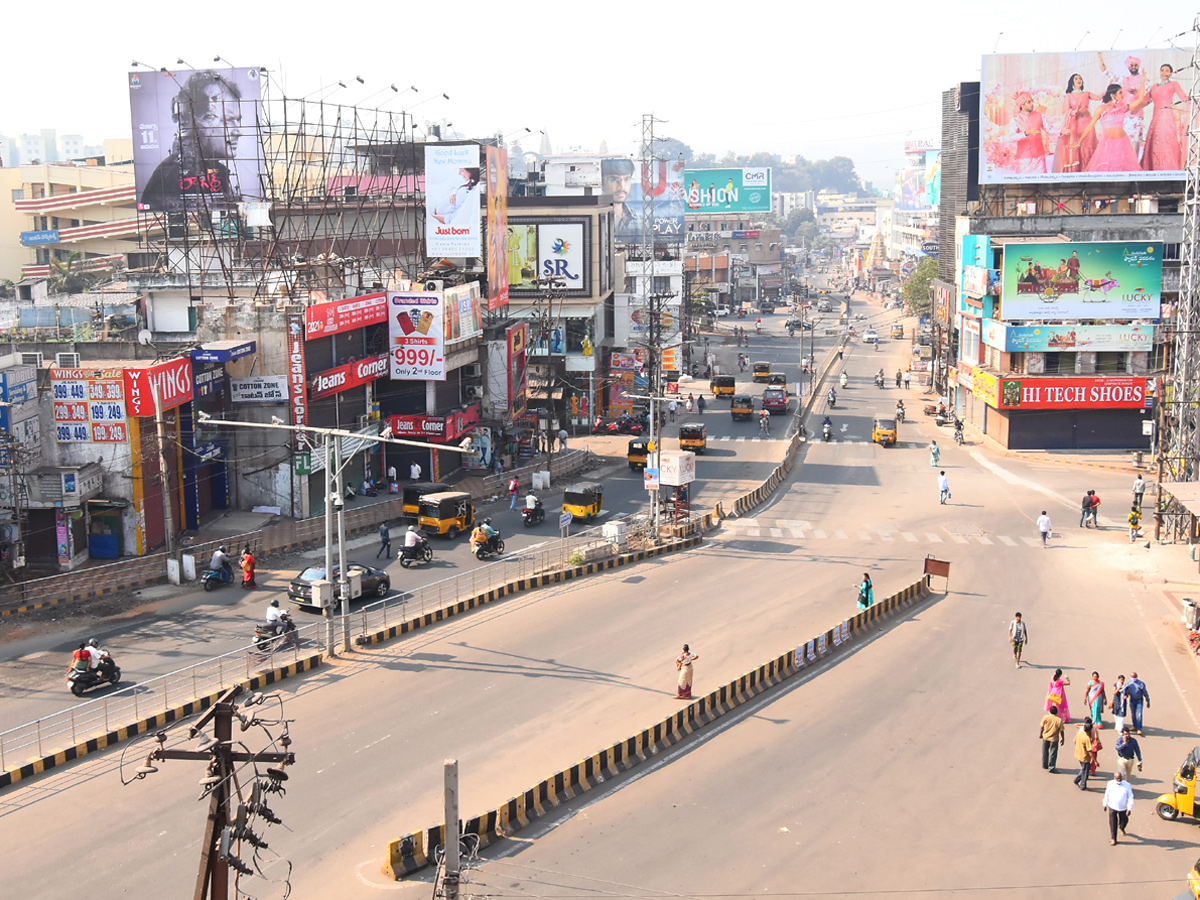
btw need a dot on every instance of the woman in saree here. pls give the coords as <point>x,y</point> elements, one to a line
<point>1072,154</point>
<point>1097,699</point>
<point>1056,695</point>
<point>683,663</point>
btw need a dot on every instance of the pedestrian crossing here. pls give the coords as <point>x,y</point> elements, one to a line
<point>797,530</point>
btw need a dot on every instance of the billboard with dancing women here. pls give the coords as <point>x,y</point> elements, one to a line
<point>1112,115</point>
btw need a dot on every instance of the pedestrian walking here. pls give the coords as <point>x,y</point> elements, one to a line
<point>1083,754</point>
<point>907,379</point>
<point>1139,491</point>
<point>683,664</point>
<point>700,404</point>
<point>1096,745</point>
<point>1135,523</point>
<point>1118,803</point>
<point>1097,699</point>
<point>1053,735</point>
<point>1095,508</point>
<point>1137,694</point>
<point>943,488</point>
<point>1129,754</point>
<point>672,407</point>
<point>1018,636</point>
<point>247,563</point>
<point>866,592</point>
<point>690,403</point>
<point>414,472</point>
<point>935,454</point>
<point>1085,510</point>
<point>392,474</point>
<point>1056,695</point>
<point>1045,529</point>
<point>899,378</point>
<point>841,352</point>
<point>514,488</point>
<point>385,540</point>
<point>562,439</point>
<point>1119,704</point>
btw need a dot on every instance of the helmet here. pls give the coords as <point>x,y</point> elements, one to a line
<point>92,642</point>
<point>275,601</point>
<point>412,527</point>
<point>487,521</point>
<point>223,549</point>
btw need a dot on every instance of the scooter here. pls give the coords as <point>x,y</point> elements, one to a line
<point>279,635</point>
<point>104,673</point>
<point>844,379</point>
<point>421,552</point>
<point>215,578</point>
<point>534,516</point>
<point>831,399</point>
<point>899,415</point>
<point>826,432</point>
<point>879,382</point>
<point>958,433</point>
<point>493,546</point>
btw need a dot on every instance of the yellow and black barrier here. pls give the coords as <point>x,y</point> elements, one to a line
<point>411,852</point>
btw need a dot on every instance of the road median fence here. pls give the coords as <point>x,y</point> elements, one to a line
<point>412,852</point>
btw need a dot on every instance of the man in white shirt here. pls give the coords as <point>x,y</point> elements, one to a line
<point>411,538</point>
<point>531,500</point>
<point>1118,803</point>
<point>1139,490</point>
<point>414,472</point>
<point>943,487</point>
<point>392,474</point>
<point>274,615</point>
<point>1044,528</point>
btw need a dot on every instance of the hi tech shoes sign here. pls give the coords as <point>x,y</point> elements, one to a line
<point>1077,393</point>
<point>343,378</point>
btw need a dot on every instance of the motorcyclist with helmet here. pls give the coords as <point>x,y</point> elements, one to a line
<point>220,563</point>
<point>275,617</point>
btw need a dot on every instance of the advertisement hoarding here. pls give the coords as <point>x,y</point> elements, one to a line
<point>323,319</point>
<point>728,190</point>
<point>343,378</point>
<point>1036,130</point>
<point>522,256</point>
<point>452,225</point>
<point>1130,392</point>
<point>437,428</point>
<point>462,316</point>
<point>619,176</point>
<point>89,405</point>
<point>260,389</point>
<point>297,373</point>
<point>517,337</point>
<point>551,247</point>
<point>1066,338</point>
<point>1111,280</point>
<point>497,228</point>
<point>172,379</point>
<point>195,139</point>
<point>416,336</point>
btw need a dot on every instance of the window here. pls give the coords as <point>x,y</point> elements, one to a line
<point>1061,363</point>
<point>18,194</point>
<point>1112,363</point>
<point>37,191</point>
<point>662,284</point>
<point>631,284</point>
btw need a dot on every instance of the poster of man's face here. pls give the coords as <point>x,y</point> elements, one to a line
<point>195,138</point>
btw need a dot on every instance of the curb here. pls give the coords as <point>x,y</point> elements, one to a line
<point>98,742</point>
<point>411,852</point>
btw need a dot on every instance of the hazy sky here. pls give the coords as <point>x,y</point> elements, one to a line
<point>818,79</point>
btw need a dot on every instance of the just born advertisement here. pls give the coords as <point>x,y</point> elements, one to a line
<point>1111,280</point>
<point>1109,115</point>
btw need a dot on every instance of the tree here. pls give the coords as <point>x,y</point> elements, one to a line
<point>69,277</point>
<point>918,289</point>
<point>795,219</point>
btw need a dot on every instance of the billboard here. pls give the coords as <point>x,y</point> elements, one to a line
<point>337,316</point>
<point>551,247</point>
<point>522,256</point>
<point>416,336</point>
<point>462,316</point>
<point>1067,338</point>
<point>1044,116</point>
<point>297,375</point>
<point>171,379</point>
<point>497,227</point>
<point>1109,280</point>
<point>452,226</point>
<point>663,182</point>
<point>1128,392</point>
<point>343,378</point>
<point>728,190</point>
<point>195,139</point>
<point>89,405</point>
<point>517,337</point>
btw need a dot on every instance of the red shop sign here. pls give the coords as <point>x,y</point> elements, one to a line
<point>1076,393</point>
<point>172,379</point>
<point>334,381</point>
<point>323,319</point>
<point>440,428</point>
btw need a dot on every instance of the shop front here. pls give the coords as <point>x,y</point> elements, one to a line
<point>205,451</point>
<point>449,429</point>
<point>60,499</point>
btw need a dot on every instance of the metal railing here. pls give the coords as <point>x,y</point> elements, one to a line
<point>154,695</point>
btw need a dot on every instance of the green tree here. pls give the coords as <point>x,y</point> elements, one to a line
<point>918,289</point>
<point>795,219</point>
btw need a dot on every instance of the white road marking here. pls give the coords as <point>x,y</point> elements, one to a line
<point>958,539</point>
<point>865,536</point>
<point>1032,542</point>
<point>838,533</point>
<point>1007,541</point>
<point>909,536</point>
<point>932,538</point>
<point>776,532</point>
<point>819,534</point>
<point>984,540</point>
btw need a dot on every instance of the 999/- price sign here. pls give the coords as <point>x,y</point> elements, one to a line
<point>416,339</point>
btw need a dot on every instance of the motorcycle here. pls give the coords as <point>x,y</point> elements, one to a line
<point>419,552</point>
<point>958,433</point>
<point>534,516</point>
<point>826,432</point>
<point>930,409</point>
<point>899,415</point>
<point>832,400</point>
<point>278,635</point>
<point>106,672</point>
<point>879,381</point>
<point>215,578</point>
<point>493,546</point>
<point>844,379</point>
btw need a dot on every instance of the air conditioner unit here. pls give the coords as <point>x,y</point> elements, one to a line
<point>66,360</point>
<point>474,370</point>
<point>31,359</point>
<point>363,422</point>
<point>475,391</point>
<point>435,284</point>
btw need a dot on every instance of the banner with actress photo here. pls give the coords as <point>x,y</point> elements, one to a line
<point>452,223</point>
<point>416,344</point>
<point>1109,115</point>
<point>463,313</point>
<point>497,228</point>
<point>632,190</point>
<point>1109,280</point>
<point>196,139</point>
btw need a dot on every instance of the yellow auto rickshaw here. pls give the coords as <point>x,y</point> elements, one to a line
<point>777,379</point>
<point>883,431</point>
<point>722,386</point>
<point>1193,883</point>
<point>447,513</point>
<point>583,500</point>
<point>637,453</point>
<point>742,407</point>
<point>415,490</point>
<point>693,437</point>
<point>898,331</point>
<point>762,371</point>
<point>1183,800</point>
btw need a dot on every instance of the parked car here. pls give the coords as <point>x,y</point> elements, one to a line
<point>799,322</point>
<point>375,582</point>
<point>721,311</point>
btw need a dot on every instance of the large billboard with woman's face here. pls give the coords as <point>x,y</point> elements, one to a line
<point>452,207</point>
<point>1109,115</point>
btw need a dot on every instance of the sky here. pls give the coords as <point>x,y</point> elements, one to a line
<point>817,79</point>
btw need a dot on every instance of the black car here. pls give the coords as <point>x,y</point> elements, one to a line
<point>375,582</point>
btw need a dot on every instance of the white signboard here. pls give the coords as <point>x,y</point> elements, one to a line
<point>416,339</point>
<point>562,254</point>
<point>677,468</point>
<point>263,389</point>
<point>452,217</point>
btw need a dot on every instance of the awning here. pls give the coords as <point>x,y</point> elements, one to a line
<point>1186,492</point>
<point>223,351</point>
<point>100,503</point>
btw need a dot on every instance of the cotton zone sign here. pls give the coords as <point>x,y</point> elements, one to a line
<point>334,381</point>
<point>1076,393</point>
<point>171,379</point>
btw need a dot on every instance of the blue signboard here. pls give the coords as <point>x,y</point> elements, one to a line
<point>33,238</point>
<point>223,351</point>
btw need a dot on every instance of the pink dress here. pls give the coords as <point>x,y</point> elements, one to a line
<point>1031,150</point>
<point>1075,122</point>
<point>1113,154</point>
<point>1162,151</point>
<point>1056,695</point>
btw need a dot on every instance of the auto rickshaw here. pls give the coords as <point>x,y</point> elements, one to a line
<point>414,491</point>
<point>722,386</point>
<point>1193,883</point>
<point>447,513</point>
<point>742,407</point>
<point>637,453</point>
<point>762,371</point>
<point>693,437</point>
<point>883,431</point>
<point>1183,800</point>
<point>583,500</point>
<point>777,379</point>
<point>898,332</point>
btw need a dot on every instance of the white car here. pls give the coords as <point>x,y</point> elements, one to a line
<point>721,311</point>
<point>870,336</point>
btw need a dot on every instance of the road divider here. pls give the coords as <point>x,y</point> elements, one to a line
<point>412,852</point>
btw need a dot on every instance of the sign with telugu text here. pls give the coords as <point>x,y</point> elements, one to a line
<point>323,319</point>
